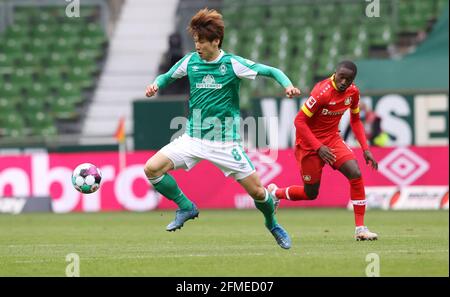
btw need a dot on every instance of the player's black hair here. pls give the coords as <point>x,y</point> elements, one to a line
<point>349,65</point>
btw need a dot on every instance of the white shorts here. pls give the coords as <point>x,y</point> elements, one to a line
<point>186,151</point>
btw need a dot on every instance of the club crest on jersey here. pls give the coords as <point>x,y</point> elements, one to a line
<point>208,82</point>
<point>223,69</point>
<point>348,101</point>
<point>307,178</point>
<point>310,102</point>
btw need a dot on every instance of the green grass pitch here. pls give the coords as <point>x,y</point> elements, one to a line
<point>223,243</point>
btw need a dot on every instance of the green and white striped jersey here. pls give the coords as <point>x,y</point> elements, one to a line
<point>214,92</point>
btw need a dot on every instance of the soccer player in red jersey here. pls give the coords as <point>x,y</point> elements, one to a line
<point>318,143</point>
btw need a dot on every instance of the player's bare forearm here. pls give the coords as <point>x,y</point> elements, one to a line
<point>370,159</point>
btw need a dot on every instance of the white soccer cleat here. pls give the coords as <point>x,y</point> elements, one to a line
<point>276,202</point>
<point>363,233</point>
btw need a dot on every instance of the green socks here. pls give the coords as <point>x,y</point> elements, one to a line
<point>268,209</point>
<point>167,186</point>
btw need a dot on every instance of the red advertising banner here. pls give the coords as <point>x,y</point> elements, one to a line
<point>40,175</point>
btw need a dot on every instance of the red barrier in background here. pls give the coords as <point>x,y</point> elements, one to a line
<point>50,175</point>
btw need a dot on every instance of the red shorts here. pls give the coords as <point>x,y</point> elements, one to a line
<point>311,164</point>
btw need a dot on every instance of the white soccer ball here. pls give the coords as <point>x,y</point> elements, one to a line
<point>86,178</point>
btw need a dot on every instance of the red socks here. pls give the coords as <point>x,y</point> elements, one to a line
<point>358,197</point>
<point>357,194</point>
<point>293,193</point>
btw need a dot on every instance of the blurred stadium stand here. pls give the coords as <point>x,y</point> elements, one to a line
<point>49,64</point>
<point>71,79</point>
<point>136,46</point>
<point>306,38</point>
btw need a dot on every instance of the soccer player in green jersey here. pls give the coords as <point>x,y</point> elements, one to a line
<point>212,131</point>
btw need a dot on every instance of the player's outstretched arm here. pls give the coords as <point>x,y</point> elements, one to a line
<point>280,77</point>
<point>163,80</point>
<point>248,69</point>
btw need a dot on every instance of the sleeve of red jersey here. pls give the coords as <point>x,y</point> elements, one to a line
<point>307,111</point>
<point>356,124</point>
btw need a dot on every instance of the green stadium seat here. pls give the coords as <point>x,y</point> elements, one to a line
<point>41,124</point>
<point>46,60</point>
<point>29,60</point>
<point>58,60</point>
<point>65,44</point>
<point>14,126</point>
<point>357,50</point>
<point>424,9</point>
<point>67,30</point>
<point>326,66</point>
<point>51,78</point>
<point>12,45</point>
<point>83,60</point>
<point>39,90</point>
<point>20,78</point>
<point>21,16</point>
<point>90,44</point>
<point>278,12</point>
<point>44,30</point>
<point>16,31</point>
<point>69,89</point>
<point>325,14</point>
<point>80,78</point>
<point>352,11</point>
<point>63,109</point>
<point>45,17</point>
<point>9,90</point>
<point>38,46</point>
<point>360,34</point>
<point>381,35</point>
<point>231,42</point>
<point>6,64</point>
<point>305,80</point>
<point>33,105</point>
<point>47,131</point>
<point>6,106</point>
<point>94,31</point>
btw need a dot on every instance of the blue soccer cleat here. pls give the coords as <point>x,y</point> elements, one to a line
<point>281,236</point>
<point>181,216</point>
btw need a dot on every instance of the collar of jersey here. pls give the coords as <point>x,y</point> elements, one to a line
<point>215,60</point>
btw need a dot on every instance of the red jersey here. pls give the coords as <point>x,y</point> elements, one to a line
<point>324,109</point>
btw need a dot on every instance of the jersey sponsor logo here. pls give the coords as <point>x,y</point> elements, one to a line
<point>194,68</point>
<point>348,101</point>
<point>223,69</point>
<point>208,82</point>
<point>310,102</point>
<point>333,103</point>
<point>332,113</point>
